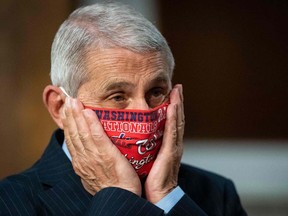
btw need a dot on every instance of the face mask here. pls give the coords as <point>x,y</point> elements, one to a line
<point>136,133</point>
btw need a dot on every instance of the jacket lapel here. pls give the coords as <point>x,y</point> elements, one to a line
<point>63,192</point>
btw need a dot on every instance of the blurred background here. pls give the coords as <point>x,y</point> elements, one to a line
<point>231,57</point>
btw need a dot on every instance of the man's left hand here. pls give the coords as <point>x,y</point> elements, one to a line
<point>163,177</point>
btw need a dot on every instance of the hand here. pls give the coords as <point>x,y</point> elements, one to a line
<point>95,158</point>
<point>163,177</point>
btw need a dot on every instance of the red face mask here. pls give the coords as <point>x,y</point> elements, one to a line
<point>136,133</point>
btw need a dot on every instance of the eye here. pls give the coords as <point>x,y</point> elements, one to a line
<point>156,92</point>
<point>156,96</point>
<point>118,98</point>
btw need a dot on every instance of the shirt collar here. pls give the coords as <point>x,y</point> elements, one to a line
<point>66,151</point>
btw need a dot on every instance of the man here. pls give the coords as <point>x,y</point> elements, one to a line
<point>111,96</point>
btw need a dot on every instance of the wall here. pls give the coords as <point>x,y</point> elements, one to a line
<point>231,57</point>
<point>26,34</point>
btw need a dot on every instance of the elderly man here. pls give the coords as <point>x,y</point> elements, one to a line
<point>120,139</point>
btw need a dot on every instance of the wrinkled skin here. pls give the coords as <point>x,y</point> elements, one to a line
<point>124,80</point>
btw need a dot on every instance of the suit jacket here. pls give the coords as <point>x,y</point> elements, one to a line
<point>51,187</point>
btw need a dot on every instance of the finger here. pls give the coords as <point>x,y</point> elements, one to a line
<point>180,131</point>
<point>67,123</point>
<point>180,122</point>
<point>78,137</point>
<point>71,128</point>
<point>180,116</point>
<point>98,134</point>
<point>176,95</point>
<point>170,131</point>
<point>182,100</point>
<point>176,98</point>
<point>84,138</point>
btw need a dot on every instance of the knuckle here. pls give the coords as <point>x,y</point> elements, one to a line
<point>98,136</point>
<point>174,134</point>
<point>181,124</point>
<point>81,169</point>
<point>68,142</point>
<point>76,167</point>
<point>74,136</point>
<point>84,136</point>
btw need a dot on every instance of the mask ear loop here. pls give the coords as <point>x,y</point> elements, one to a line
<point>63,90</point>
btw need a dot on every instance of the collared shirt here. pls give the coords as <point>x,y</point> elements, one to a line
<point>166,203</point>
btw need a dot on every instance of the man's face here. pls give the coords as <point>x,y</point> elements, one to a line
<point>122,79</point>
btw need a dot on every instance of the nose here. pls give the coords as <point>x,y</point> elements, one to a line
<point>139,104</point>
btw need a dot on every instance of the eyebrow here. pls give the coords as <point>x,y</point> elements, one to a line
<point>161,78</point>
<point>118,85</point>
<point>121,84</point>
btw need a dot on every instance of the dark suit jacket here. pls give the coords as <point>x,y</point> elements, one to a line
<point>51,187</point>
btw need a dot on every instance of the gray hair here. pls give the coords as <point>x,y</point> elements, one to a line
<point>101,25</point>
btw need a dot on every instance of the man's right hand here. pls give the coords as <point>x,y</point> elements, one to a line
<point>95,158</point>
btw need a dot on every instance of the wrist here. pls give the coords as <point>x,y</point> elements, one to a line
<point>155,196</point>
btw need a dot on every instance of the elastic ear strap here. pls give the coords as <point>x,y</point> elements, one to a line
<point>63,90</point>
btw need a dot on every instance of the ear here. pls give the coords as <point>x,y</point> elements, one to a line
<point>54,99</point>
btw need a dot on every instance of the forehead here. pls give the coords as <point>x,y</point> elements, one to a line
<point>121,65</point>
